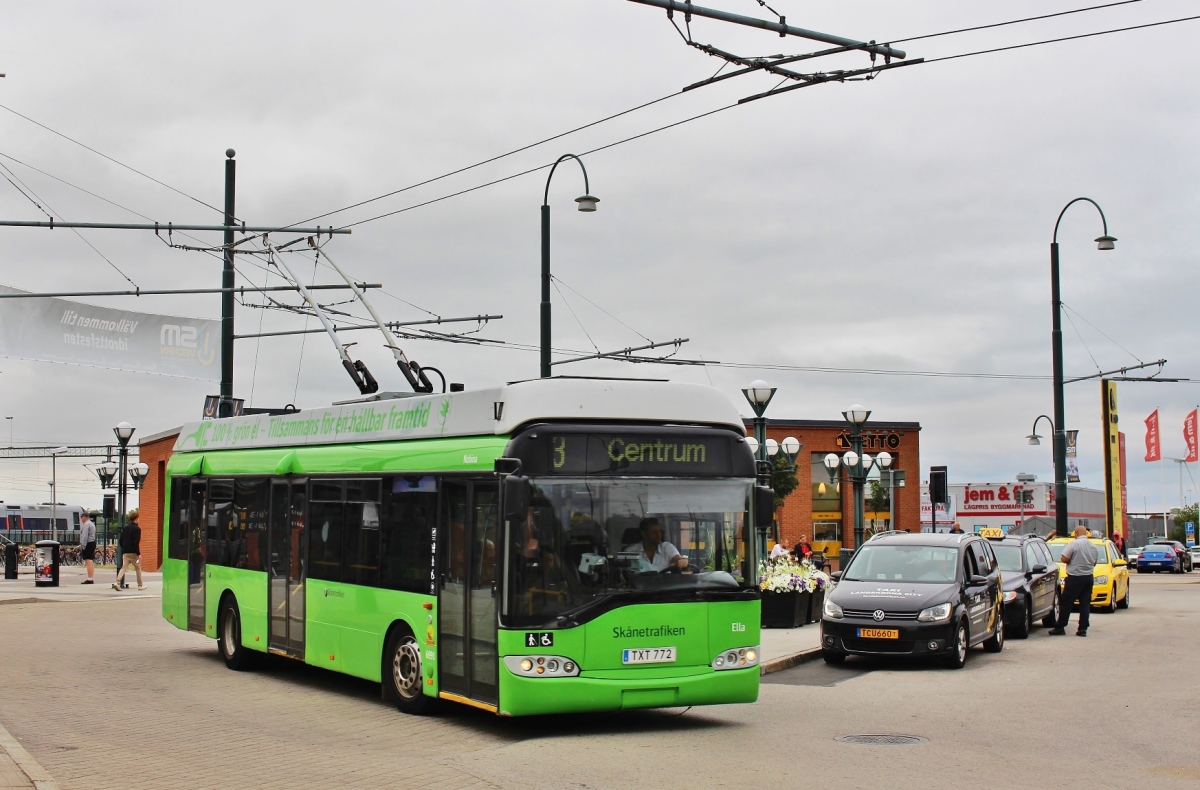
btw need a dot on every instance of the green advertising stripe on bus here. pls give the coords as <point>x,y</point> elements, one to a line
<point>474,454</point>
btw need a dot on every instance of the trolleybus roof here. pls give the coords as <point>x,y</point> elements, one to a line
<point>498,411</point>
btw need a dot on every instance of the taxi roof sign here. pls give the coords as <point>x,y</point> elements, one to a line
<point>992,532</point>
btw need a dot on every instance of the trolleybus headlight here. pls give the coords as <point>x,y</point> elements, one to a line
<point>737,658</point>
<point>541,666</point>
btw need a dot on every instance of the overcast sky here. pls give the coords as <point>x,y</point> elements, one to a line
<point>901,224</point>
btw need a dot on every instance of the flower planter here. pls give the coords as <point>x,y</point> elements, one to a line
<point>785,609</point>
<point>816,605</point>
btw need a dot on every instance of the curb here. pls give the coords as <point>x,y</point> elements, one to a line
<point>787,662</point>
<point>38,775</point>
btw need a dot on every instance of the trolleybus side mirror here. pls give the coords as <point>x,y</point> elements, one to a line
<point>517,496</point>
<point>764,506</point>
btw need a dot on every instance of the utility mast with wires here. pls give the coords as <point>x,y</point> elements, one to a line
<point>358,371</point>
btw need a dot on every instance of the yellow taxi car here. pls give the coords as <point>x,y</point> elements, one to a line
<point>1110,591</point>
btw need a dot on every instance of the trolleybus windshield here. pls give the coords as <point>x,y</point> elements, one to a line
<point>590,541</point>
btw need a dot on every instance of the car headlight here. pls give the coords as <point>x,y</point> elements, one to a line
<point>832,610</point>
<point>935,613</point>
<point>1100,580</point>
<point>1011,595</point>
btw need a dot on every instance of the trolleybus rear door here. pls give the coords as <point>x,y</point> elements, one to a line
<point>286,571</point>
<point>197,554</point>
<point>467,632</point>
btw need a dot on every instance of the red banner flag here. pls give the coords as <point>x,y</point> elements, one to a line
<point>1189,435</point>
<point>1153,447</point>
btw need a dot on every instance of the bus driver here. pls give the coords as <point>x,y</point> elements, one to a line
<point>654,553</point>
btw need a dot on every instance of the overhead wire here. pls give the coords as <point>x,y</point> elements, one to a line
<point>49,209</point>
<point>117,162</point>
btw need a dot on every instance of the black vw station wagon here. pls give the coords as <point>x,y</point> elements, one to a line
<point>918,595</point>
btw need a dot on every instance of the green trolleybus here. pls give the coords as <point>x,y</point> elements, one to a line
<point>547,546</point>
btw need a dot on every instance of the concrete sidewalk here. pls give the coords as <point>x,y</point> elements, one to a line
<point>18,769</point>
<point>71,587</point>
<point>787,647</point>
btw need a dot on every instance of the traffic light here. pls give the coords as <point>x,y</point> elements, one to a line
<point>937,484</point>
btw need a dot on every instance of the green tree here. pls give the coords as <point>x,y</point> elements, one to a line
<point>1185,515</point>
<point>783,479</point>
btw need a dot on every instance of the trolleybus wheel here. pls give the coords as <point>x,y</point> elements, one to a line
<point>403,679</point>
<point>229,638</point>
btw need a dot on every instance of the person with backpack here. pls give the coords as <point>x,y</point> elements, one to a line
<point>131,548</point>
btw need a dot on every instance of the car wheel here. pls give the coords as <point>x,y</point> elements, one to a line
<point>1112,600</point>
<point>1051,620</point>
<point>958,657</point>
<point>833,657</point>
<point>1021,631</point>
<point>402,676</point>
<point>1124,604</point>
<point>996,643</point>
<point>229,638</point>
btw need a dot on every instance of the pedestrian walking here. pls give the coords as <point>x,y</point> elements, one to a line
<point>1080,556</point>
<point>1119,542</point>
<point>87,539</point>
<point>131,549</point>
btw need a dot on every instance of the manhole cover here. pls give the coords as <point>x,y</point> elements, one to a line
<point>881,739</point>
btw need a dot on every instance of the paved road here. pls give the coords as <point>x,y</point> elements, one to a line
<point>104,694</point>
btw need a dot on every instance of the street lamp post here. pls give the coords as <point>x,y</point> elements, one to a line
<point>1104,242</point>
<point>857,465</point>
<point>54,490</point>
<point>586,203</point>
<point>758,395</point>
<point>124,432</point>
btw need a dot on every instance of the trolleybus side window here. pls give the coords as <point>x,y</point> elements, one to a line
<point>360,542</point>
<point>249,548</point>
<point>325,527</point>
<point>178,524</point>
<point>219,529</point>
<point>409,518</point>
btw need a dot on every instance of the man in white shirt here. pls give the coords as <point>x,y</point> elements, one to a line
<point>654,553</point>
<point>780,549</point>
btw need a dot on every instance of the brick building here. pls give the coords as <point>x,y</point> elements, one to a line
<point>154,451</point>
<point>821,507</point>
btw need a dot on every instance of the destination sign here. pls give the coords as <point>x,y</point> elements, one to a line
<point>632,453</point>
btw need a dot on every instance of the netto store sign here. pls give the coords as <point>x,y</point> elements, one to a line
<point>886,440</point>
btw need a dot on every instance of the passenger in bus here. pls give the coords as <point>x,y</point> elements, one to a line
<point>654,553</point>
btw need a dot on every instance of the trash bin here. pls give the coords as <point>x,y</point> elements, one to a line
<point>11,555</point>
<point>45,573</point>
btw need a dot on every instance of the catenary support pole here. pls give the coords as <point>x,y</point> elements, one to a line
<point>225,407</point>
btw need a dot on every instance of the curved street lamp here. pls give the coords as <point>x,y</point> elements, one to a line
<point>1103,242</point>
<point>587,203</point>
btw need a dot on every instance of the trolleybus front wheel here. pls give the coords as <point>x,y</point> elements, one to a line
<point>402,676</point>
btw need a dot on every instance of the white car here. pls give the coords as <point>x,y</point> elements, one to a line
<point>1131,555</point>
<point>1195,552</point>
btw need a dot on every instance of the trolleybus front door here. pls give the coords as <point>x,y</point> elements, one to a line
<point>197,554</point>
<point>286,571</point>
<point>467,628</point>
